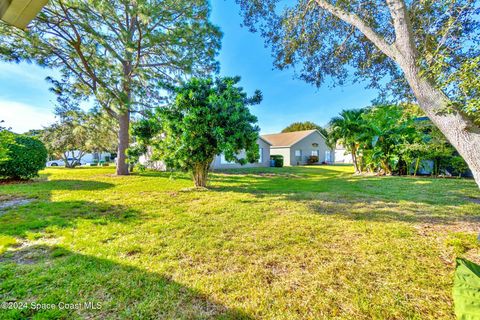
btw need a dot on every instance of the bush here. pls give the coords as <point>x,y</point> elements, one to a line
<point>278,160</point>
<point>458,166</point>
<point>25,157</point>
<point>6,138</point>
<point>312,159</point>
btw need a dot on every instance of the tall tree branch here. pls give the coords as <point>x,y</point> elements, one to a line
<point>403,29</point>
<point>361,25</point>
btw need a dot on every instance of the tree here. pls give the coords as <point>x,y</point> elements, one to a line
<point>419,45</point>
<point>346,129</point>
<point>307,125</point>
<point>78,132</point>
<point>67,138</point>
<point>101,132</point>
<point>121,52</point>
<point>386,127</point>
<point>208,117</point>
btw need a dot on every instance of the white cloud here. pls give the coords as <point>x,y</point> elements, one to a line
<point>22,117</point>
<point>29,72</point>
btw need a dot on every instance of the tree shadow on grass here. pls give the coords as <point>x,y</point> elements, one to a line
<point>176,175</point>
<point>39,215</point>
<point>51,275</point>
<point>372,198</point>
<point>44,188</point>
<point>389,211</point>
<point>41,212</point>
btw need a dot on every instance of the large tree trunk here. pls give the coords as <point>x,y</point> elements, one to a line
<point>123,142</point>
<point>200,175</point>
<point>457,128</point>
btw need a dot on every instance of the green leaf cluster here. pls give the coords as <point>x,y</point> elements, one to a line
<point>25,156</point>
<point>208,117</point>
<point>390,139</point>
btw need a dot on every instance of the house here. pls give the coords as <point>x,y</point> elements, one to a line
<point>19,13</point>
<point>297,147</point>
<point>219,162</point>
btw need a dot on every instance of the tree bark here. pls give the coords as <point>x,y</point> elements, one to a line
<point>123,143</point>
<point>353,149</point>
<point>200,174</point>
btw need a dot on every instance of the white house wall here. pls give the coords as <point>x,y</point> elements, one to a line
<point>265,159</point>
<point>342,156</point>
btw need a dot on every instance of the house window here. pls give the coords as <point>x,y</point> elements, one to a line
<point>315,153</point>
<point>298,153</point>
<point>260,151</point>
<point>328,156</point>
<point>315,145</point>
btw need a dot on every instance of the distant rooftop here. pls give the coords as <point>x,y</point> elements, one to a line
<point>286,139</point>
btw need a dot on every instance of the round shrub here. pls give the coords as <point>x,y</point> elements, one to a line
<point>25,156</point>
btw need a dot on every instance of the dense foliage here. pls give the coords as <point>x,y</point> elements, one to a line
<point>25,156</point>
<point>389,139</point>
<point>426,52</point>
<point>307,125</point>
<point>208,117</point>
<point>344,129</point>
<point>325,45</point>
<point>120,53</point>
<point>6,138</point>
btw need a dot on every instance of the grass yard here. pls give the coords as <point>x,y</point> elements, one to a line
<point>290,243</point>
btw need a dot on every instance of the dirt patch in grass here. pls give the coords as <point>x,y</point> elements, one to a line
<point>461,226</point>
<point>7,202</point>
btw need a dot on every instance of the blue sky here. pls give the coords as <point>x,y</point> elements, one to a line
<point>26,103</point>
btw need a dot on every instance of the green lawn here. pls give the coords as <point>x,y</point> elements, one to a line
<point>290,243</point>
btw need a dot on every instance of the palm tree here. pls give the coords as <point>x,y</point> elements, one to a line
<point>346,129</point>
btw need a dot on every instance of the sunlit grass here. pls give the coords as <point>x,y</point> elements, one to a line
<point>290,243</point>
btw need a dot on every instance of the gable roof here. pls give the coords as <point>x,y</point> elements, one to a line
<point>264,140</point>
<point>288,139</point>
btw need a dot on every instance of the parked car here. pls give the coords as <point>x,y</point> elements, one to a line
<point>61,162</point>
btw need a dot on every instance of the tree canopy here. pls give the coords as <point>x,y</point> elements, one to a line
<point>77,132</point>
<point>307,125</point>
<point>208,117</point>
<point>394,139</point>
<point>121,52</point>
